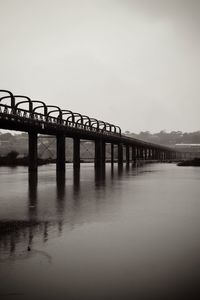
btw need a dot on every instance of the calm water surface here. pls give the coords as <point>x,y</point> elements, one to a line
<point>131,235</point>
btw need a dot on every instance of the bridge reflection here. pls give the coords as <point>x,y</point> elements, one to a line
<point>71,202</point>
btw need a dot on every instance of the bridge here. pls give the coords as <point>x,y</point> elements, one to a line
<point>21,113</point>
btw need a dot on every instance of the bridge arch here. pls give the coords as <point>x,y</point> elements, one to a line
<point>113,128</point>
<point>93,121</point>
<point>28,100</point>
<point>11,96</point>
<point>108,125</point>
<point>57,109</point>
<point>44,106</point>
<point>102,123</point>
<point>118,129</point>
<point>68,112</point>
<point>83,122</point>
<point>74,118</point>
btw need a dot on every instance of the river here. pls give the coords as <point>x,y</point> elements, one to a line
<point>133,234</point>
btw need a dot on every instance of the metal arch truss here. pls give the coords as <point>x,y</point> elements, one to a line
<point>38,110</point>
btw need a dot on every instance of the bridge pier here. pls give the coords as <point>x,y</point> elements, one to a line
<point>76,153</point>
<point>175,155</point>
<point>145,153</point>
<point>167,155</point>
<point>32,148</point>
<point>136,154</point>
<point>162,155</point>
<point>156,154</point>
<point>112,154</point>
<point>60,143</point>
<point>127,154</point>
<point>159,155</point>
<point>150,153</point>
<point>133,154</point>
<point>153,154</point>
<point>120,154</point>
<point>100,154</point>
<point>141,153</point>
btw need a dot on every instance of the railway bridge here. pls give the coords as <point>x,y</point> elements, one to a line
<point>21,113</point>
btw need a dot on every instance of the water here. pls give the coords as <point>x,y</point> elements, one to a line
<point>132,235</point>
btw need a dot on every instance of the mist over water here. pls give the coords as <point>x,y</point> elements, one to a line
<point>133,234</point>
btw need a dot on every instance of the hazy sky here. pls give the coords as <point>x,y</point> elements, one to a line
<point>134,63</point>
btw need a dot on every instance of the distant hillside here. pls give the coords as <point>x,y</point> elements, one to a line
<point>47,146</point>
<point>168,138</point>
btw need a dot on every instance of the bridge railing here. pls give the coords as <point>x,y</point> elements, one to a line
<point>21,114</point>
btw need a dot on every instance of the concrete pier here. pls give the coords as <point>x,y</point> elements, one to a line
<point>120,154</point>
<point>112,153</point>
<point>32,148</point>
<point>127,154</point>
<point>60,143</point>
<point>100,155</point>
<point>76,153</point>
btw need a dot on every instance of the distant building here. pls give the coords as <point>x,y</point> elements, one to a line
<point>188,151</point>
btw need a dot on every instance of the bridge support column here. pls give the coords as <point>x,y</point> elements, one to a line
<point>142,153</point>
<point>167,155</point>
<point>120,154</point>
<point>112,154</point>
<point>150,153</point>
<point>76,153</point>
<point>161,156</point>
<point>32,143</point>
<point>100,154</point>
<point>157,154</point>
<point>60,162</point>
<point>176,155</point>
<point>171,156</point>
<point>127,154</point>
<point>153,154</point>
<point>137,154</point>
<point>145,153</point>
<point>133,154</point>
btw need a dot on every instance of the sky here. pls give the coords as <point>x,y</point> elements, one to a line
<point>133,63</point>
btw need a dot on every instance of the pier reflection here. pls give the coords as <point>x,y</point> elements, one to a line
<point>60,185</point>
<point>32,194</point>
<point>100,178</point>
<point>76,199</point>
<point>76,180</point>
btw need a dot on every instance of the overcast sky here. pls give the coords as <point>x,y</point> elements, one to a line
<point>134,63</point>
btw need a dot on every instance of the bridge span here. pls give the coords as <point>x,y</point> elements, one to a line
<point>21,113</point>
